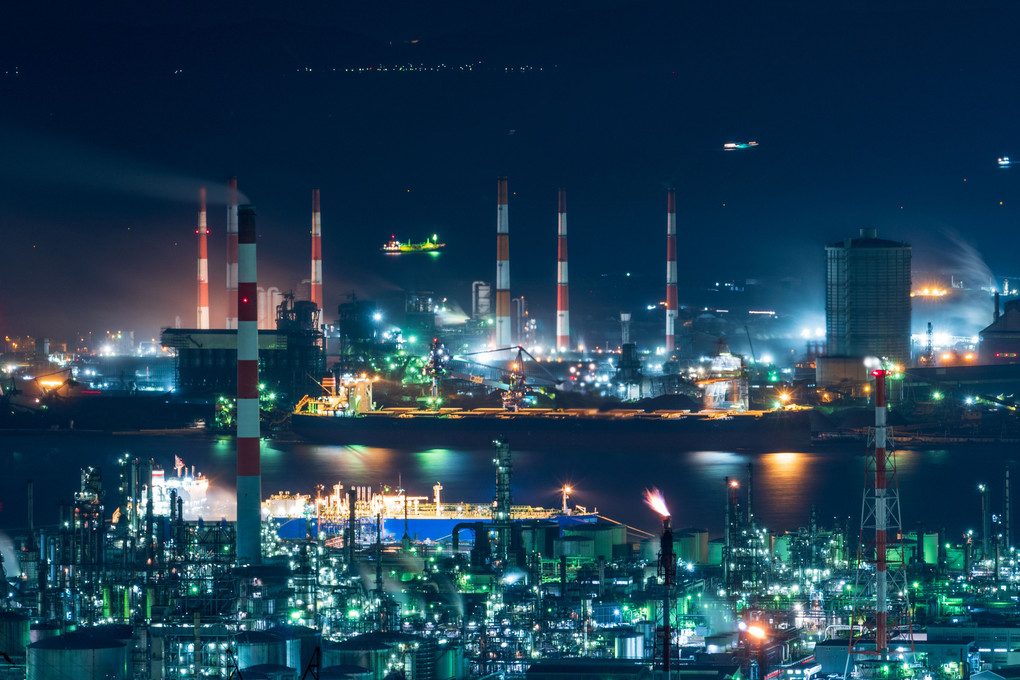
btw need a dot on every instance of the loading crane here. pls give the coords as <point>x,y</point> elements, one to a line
<point>514,386</point>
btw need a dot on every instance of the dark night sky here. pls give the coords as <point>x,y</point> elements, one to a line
<point>867,114</point>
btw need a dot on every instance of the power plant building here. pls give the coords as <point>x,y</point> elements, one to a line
<point>867,305</point>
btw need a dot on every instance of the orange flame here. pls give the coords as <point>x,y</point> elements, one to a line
<point>655,500</point>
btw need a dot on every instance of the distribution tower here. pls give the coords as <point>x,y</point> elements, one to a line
<point>316,293</point>
<point>880,591</point>
<point>203,264</point>
<point>249,482</point>
<point>671,297</point>
<point>562,300</point>
<point>232,253</point>
<point>502,267</point>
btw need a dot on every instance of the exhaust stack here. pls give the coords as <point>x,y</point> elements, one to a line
<point>316,293</point>
<point>203,264</point>
<point>502,267</point>
<point>671,298</point>
<point>232,254</point>
<point>562,301</point>
<point>249,480</point>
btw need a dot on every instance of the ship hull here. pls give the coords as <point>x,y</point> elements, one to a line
<point>645,432</point>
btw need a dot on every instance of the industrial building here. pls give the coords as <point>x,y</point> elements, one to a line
<point>867,308</point>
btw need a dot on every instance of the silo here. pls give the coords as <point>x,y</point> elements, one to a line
<point>78,655</point>
<point>14,636</point>
<point>299,642</point>
<point>255,648</point>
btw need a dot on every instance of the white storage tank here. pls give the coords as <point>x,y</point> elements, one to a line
<point>630,645</point>
<point>79,655</point>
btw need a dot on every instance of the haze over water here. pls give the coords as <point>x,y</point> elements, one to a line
<point>937,487</point>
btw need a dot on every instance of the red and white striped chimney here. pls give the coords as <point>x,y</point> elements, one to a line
<point>232,254</point>
<point>562,301</point>
<point>671,305</point>
<point>502,267</point>
<point>249,481</point>
<point>203,264</point>
<point>316,250</point>
<point>881,519</point>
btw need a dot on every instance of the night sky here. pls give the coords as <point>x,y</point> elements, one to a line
<point>113,115</point>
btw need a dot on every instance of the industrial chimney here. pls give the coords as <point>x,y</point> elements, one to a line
<point>316,294</point>
<point>671,297</point>
<point>562,301</point>
<point>203,264</point>
<point>249,481</point>
<point>502,267</point>
<point>232,254</point>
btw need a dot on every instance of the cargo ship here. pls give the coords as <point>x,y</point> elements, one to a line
<point>422,518</point>
<point>345,417</point>
<point>429,245</point>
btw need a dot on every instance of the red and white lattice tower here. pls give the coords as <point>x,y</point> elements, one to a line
<point>562,300</point>
<point>502,267</point>
<point>249,482</point>
<point>316,294</point>
<point>232,253</point>
<point>203,264</point>
<point>881,610</point>
<point>671,298</point>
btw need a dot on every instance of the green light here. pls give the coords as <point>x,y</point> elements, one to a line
<point>936,396</point>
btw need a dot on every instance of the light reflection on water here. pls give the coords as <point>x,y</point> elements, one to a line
<point>935,486</point>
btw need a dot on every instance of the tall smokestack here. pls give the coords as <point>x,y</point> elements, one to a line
<point>249,481</point>
<point>316,250</point>
<point>203,264</point>
<point>232,254</point>
<point>562,301</point>
<point>502,267</point>
<point>671,306</point>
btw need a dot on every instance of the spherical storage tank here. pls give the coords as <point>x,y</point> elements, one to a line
<point>13,633</point>
<point>78,655</point>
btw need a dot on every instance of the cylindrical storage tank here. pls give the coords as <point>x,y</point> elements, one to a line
<point>630,645</point>
<point>14,636</point>
<point>538,535</point>
<point>702,536</point>
<point>78,655</point>
<point>43,630</point>
<point>345,673</point>
<point>574,546</point>
<point>715,551</point>
<point>450,662</point>
<point>272,671</point>
<point>646,629</point>
<point>604,535</point>
<point>255,648</point>
<point>686,545</point>
<point>115,631</point>
<point>299,642</point>
<point>354,652</point>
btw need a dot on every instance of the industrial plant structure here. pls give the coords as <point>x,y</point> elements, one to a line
<point>867,307</point>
